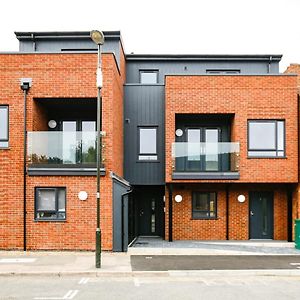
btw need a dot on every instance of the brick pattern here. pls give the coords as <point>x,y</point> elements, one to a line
<point>58,76</point>
<point>185,228</point>
<point>247,97</point>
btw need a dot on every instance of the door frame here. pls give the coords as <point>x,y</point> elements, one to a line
<point>271,194</point>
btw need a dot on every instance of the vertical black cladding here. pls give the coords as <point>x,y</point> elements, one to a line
<point>144,106</point>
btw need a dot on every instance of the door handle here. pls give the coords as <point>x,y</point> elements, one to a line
<point>251,213</point>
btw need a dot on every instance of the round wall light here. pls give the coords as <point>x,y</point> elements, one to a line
<point>52,124</point>
<point>82,195</point>
<point>178,198</point>
<point>179,132</point>
<point>241,198</point>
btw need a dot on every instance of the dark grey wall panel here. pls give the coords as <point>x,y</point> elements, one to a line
<point>118,221</point>
<point>196,68</point>
<point>144,106</point>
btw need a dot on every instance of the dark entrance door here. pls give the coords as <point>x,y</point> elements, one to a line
<point>261,215</point>
<point>150,212</point>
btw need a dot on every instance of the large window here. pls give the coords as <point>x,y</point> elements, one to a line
<point>266,138</point>
<point>147,143</point>
<point>148,76</point>
<point>3,126</point>
<point>204,205</point>
<point>50,203</point>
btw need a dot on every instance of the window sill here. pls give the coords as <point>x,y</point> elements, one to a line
<point>267,157</point>
<point>148,161</point>
<point>199,219</point>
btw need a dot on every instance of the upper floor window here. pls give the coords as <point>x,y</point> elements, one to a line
<point>266,138</point>
<point>223,71</point>
<point>148,76</point>
<point>147,143</point>
<point>3,126</point>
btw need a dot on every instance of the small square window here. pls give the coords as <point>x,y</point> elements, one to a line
<point>147,143</point>
<point>148,76</point>
<point>204,205</point>
<point>266,138</point>
<point>4,126</point>
<point>50,204</point>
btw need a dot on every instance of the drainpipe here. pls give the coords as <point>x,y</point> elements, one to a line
<point>269,65</point>
<point>227,212</point>
<point>170,213</point>
<point>25,86</point>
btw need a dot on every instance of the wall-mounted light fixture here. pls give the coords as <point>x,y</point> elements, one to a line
<point>52,124</point>
<point>241,198</point>
<point>82,195</point>
<point>179,132</point>
<point>178,198</point>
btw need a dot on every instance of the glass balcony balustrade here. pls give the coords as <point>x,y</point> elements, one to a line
<point>205,157</point>
<point>58,148</point>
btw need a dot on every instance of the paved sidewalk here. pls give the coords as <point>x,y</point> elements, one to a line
<point>119,264</point>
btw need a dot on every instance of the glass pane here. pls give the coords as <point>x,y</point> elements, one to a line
<point>88,145</point>
<point>46,200</point>
<point>62,200</point>
<point>3,123</point>
<point>148,140</point>
<point>69,142</point>
<point>200,214</point>
<point>148,77</point>
<point>194,149</point>
<point>262,153</point>
<point>211,157</point>
<point>201,202</point>
<point>280,135</point>
<point>262,135</point>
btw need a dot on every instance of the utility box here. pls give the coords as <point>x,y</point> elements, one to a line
<point>297,234</point>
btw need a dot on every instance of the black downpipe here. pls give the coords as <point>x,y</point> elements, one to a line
<point>227,213</point>
<point>122,217</point>
<point>170,213</point>
<point>25,88</point>
<point>289,215</point>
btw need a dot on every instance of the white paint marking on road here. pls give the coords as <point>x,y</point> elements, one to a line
<point>83,280</point>
<point>295,264</point>
<point>16,260</point>
<point>148,257</point>
<point>136,282</point>
<point>68,296</point>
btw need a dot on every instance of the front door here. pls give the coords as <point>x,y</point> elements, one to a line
<point>150,214</point>
<point>261,215</point>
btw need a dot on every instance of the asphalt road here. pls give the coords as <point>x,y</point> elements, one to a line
<point>217,262</point>
<point>144,288</point>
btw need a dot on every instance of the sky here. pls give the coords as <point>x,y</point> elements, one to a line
<point>167,27</point>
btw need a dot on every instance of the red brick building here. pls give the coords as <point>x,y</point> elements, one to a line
<point>197,147</point>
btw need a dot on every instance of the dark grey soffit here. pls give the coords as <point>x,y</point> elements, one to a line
<point>206,175</point>
<point>205,57</point>
<point>35,35</point>
<point>64,171</point>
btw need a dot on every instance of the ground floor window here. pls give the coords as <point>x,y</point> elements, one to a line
<point>50,203</point>
<point>204,205</point>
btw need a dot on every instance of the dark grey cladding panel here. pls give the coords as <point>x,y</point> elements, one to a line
<point>144,105</point>
<point>182,67</point>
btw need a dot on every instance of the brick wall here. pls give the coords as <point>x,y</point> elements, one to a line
<point>185,228</point>
<point>58,76</point>
<point>247,97</point>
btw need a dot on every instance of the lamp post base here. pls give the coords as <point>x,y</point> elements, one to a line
<point>98,248</point>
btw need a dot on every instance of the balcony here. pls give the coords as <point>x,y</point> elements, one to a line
<point>205,161</point>
<point>62,153</point>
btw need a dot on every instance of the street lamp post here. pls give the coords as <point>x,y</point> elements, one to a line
<point>98,38</point>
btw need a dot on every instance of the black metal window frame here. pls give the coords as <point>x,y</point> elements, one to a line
<point>142,157</point>
<point>209,216</point>
<point>154,71</point>
<point>56,211</point>
<point>275,150</point>
<point>6,107</point>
